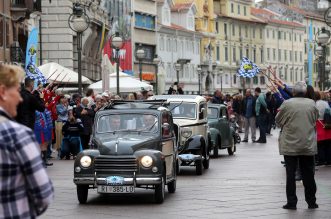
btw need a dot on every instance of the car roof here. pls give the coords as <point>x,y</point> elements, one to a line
<point>188,98</point>
<point>216,105</point>
<point>157,105</point>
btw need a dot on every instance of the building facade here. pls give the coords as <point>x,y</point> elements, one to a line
<point>178,42</point>
<point>59,42</point>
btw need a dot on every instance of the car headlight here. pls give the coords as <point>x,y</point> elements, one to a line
<point>186,132</point>
<point>146,161</point>
<point>85,161</point>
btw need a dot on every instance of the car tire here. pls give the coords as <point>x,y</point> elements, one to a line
<point>159,192</point>
<point>238,138</point>
<point>205,161</point>
<point>198,167</point>
<point>177,168</point>
<point>232,148</point>
<point>172,185</point>
<point>82,193</point>
<point>216,148</point>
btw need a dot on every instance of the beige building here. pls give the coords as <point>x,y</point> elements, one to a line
<point>284,46</point>
<point>239,34</point>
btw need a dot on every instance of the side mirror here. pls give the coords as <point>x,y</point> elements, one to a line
<point>166,130</point>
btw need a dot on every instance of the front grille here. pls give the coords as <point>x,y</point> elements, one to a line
<point>115,164</point>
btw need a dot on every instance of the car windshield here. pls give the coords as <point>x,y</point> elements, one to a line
<point>140,122</point>
<point>183,110</point>
<point>212,113</point>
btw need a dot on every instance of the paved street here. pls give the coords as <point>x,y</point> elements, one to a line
<point>250,184</point>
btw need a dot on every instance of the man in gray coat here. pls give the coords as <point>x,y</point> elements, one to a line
<point>297,142</point>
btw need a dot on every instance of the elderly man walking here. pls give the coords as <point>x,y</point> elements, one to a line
<point>297,142</point>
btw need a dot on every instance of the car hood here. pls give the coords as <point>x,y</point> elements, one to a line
<point>185,122</point>
<point>125,144</point>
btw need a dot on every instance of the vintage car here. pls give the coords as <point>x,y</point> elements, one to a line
<point>134,147</point>
<point>222,134</point>
<point>190,116</point>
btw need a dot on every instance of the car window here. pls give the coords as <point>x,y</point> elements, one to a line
<point>212,113</point>
<point>122,122</point>
<point>183,110</point>
<point>202,114</point>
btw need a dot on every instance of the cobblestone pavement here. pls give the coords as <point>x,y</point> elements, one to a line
<point>250,184</point>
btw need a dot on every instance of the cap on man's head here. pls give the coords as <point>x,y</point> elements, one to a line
<point>300,87</point>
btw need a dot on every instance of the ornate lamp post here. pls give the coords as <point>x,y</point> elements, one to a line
<point>79,21</point>
<point>178,67</point>
<point>156,61</point>
<point>199,71</point>
<point>117,43</point>
<point>322,38</point>
<point>140,55</point>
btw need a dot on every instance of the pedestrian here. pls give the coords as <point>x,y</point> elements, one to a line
<point>30,104</point>
<point>261,111</point>
<point>217,98</point>
<point>25,188</point>
<point>86,115</point>
<point>323,134</point>
<point>71,131</point>
<point>249,115</point>
<point>237,110</point>
<point>297,142</point>
<point>62,117</point>
<point>90,97</point>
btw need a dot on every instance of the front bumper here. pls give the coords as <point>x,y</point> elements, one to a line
<point>189,157</point>
<point>127,181</point>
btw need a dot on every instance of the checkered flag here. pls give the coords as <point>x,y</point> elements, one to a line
<point>34,73</point>
<point>248,69</point>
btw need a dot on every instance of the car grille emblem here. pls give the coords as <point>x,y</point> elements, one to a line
<point>114,180</point>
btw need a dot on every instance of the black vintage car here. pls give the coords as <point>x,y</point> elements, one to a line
<point>134,148</point>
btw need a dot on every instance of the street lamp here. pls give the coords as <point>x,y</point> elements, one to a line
<point>178,67</point>
<point>219,68</point>
<point>156,61</point>
<point>79,21</point>
<point>140,55</point>
<point>199,71</point>
<point>117,43</point>
<point>322,38</point>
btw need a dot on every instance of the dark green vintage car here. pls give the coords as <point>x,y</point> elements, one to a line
<point>222,134</point>
<point>135,147</point>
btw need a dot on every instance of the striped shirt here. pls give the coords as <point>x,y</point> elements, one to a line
<point>25,188</point>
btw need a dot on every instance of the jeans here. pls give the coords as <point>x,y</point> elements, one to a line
<point>250,122</point>
<point>70,145</point>
<point>262,121</point>
<point>307,168</point>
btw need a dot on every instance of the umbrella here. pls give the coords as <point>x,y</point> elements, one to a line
<point>127,84</point>
<point>63,74</point>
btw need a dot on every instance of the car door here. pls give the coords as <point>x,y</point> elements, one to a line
<point>168,143</point>
<point>224,127</point>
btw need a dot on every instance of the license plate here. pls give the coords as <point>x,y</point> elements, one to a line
<point>116,189</point>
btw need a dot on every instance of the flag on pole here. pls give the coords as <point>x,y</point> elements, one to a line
<point>248,69</point>
<point>31,56</point>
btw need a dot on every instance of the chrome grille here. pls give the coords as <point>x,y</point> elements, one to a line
<point>115,164</point>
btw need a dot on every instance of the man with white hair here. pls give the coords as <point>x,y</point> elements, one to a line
<point>297,142</point>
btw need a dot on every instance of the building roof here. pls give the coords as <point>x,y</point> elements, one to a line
<point>271,17</point>
<point>306,13</point>
<point>252,19</point>
<point>181,6</point>
<point>176,27</point>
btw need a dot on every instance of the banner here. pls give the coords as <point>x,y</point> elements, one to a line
<point>248,69</point>
<point>31,56</point>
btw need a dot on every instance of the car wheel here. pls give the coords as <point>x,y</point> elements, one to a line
<point>232,148</point>
<point>198,167</point>
<point>217,145</point>
<point>82,193</point>
<point>238,138</point>
<point>177,168</point>
<point>159,192</point>
<point>206,161</point>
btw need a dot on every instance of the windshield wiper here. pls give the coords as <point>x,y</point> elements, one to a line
<point>177,106</point>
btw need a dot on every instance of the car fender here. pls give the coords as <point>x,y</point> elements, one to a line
<point>158,159</point>
<point>195,143</point>
<point>90,170</point>
<point>214,133</point>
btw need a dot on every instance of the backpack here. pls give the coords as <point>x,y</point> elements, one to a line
<point>327,118</point>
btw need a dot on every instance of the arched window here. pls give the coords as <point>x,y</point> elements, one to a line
<point>255,80</point>
<point>262,80</point>
<point>234,79</point>
<point>226,79</point>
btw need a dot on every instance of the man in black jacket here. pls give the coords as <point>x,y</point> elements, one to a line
<point>30,104</point>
